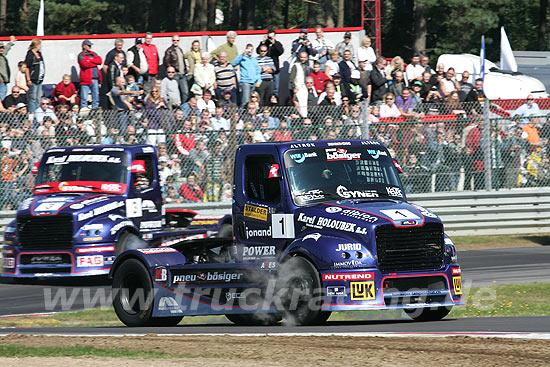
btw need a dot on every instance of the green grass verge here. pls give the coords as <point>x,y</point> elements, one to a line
<point>481,242</point>
<point>532,299</point>
<point>20,351</point>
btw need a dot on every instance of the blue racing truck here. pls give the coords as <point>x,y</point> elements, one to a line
<point>318,226</point>
<point>90,204</point>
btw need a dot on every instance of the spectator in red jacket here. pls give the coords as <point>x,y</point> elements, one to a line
<point>65,92</point>
<point>191,191</point>
<point>320,79</point>
<point>152,56</point>
<point>90,77</point>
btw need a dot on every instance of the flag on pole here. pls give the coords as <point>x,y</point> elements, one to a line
<point>40,23</point>
<point>507,59</point>
<point>482,60</point>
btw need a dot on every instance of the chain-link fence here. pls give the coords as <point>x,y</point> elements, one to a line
<point>440,147</point>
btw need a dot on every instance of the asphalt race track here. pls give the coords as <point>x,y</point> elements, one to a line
<point>479,268</point>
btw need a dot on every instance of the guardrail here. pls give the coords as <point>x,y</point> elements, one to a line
<point>516,211</point>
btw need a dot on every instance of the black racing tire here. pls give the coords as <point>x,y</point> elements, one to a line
<point>130,278</point>
<point>251,319</point>
<point>129,241</point>
<point>226,231</point>
<point>299,285</point>
<point>428,314</point>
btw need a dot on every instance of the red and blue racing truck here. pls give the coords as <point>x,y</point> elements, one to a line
<point>318,226</point>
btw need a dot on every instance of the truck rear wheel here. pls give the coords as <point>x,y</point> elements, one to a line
<point>133,297</point>
<point>264,319</point>
<point>428,314</point>
<point>301,295</point>
<point>129,241</point>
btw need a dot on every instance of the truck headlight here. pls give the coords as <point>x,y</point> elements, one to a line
<point>450,250</point>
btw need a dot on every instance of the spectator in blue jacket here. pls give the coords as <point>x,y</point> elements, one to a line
<point>250,73</point>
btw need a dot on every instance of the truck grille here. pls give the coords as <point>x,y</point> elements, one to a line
<point>409,249</point>
<point>46,232</point>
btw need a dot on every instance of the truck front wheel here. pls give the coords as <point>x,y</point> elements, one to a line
<point>299,286</point>
<point>133,296</point>
<point>428,314</point>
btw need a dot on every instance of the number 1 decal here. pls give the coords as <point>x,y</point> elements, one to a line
<point>282,225</point>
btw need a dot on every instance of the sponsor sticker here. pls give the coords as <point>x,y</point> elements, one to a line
<point>310,195</point>
<point>347,264</point>
<point>52,206</point>
<point>169,304</point>
<point>328,277</point>
<point>456,271</point>
<point>274,171</point>
<point>399,214</point>
<point>161,274</point>
<point>394,191</point>
<point>333,209</point>
<point>375,154</point>
<point>156,250</point>
<point>9,263</point>
<point>251,233</point>
<point>150,224</point>
<point>336,291</point>
<point>255,252</point>
<point>301,157</point>
<point>313,236</point>
<point>255,212</point>
<point>210,276</point>
<point>350,194</point>
<point>101,210</point>
<point>425,212</point>
<point>362,291</point>
<point>349,247</point>
<point>341,154</point>
<point>204,222</point>
<point>86,261</point>
<point>457,285</point>
<point>95,158</point>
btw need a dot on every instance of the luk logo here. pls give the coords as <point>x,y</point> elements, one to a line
<point>362,291</point>
<point>457,285</point>
<point>161,274</point>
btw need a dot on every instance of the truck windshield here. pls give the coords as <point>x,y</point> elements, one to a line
<point>82,172</point>
<point>341,173</point>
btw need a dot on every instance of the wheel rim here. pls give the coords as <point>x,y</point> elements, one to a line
<point>129,287</point>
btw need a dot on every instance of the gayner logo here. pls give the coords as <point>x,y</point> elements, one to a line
<point>347,276</point>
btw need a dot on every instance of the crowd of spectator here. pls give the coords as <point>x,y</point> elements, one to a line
<point>196,107</point>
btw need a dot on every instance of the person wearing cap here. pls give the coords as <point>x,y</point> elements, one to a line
<point>15,97</point>
<point>4,67</point>
<point>302,44</point>
<point>346,45</point>
<point>152,55</point>
<point>90,77</point>
<point>36,69</point>
<point>229,48</point>
<point>137,61</point>
<point>274,50</point>
<point>416,87</point>
<point>175,57</point>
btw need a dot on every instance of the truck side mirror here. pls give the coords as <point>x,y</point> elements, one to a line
<point>397,166</point>
<point>34,169</point>
<point>138,166</point>
<point>272,170</point>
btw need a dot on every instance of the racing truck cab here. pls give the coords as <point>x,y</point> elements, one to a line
<point>89,204</point>
<point>319,226</point>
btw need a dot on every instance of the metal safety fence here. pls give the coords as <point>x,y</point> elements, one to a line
<point>441,147</point>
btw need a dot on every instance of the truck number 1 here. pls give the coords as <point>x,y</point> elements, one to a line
<point>282,225</point>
